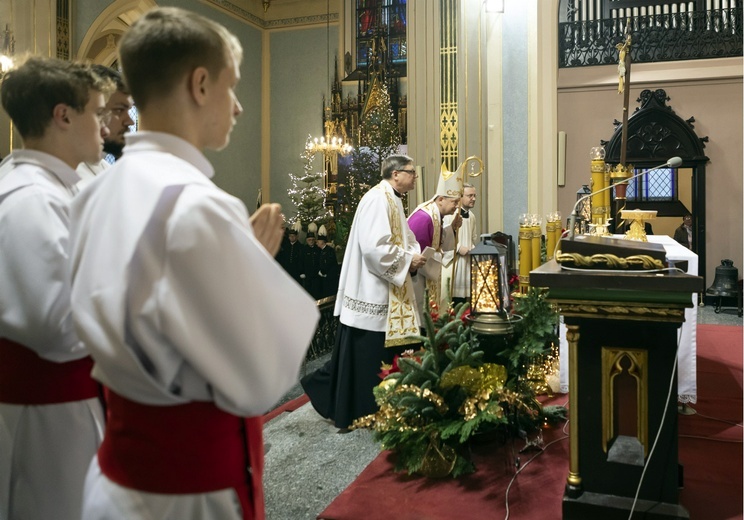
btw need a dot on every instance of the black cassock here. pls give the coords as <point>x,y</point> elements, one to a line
<point>310,268</point>
<point>328,270</point>
<point>290,257</point>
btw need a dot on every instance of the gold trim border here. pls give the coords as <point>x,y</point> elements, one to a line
<point>594,309</point>
<point>611,358</point>
<point>572,336</point>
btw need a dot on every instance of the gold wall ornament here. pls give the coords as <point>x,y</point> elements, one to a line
<point>376,98</point>
<point>449,74</point>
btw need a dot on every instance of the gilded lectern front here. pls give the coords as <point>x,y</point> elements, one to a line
<point>622,334</point>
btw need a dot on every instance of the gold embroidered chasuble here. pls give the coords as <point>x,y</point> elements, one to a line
<point>402,321</point>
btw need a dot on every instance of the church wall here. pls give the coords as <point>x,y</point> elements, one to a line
<point>290,94</point>
<point>298,83</point>
<point>515,115</point>
<point>85,13</point>
<point>238,167</point>
<point>586,112</point>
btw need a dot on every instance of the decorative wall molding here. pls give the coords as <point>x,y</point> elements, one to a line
<point>247,16</point>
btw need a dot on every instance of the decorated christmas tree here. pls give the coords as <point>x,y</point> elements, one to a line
<point>379,137</point>
<point>307,193</point>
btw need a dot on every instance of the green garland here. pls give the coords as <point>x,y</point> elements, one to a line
<point>435,400</point>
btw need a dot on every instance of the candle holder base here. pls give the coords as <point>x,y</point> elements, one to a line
<point>494,324</point>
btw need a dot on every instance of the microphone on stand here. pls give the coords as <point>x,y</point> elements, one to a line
<point>674,162</point>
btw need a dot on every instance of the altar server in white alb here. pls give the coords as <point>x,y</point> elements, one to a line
<point>375,301</point>
<point>51,421</point>
<point>435,237</point>
<point>176,292</point>
<point>467,238</point>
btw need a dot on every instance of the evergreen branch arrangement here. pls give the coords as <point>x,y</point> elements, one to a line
<point>434,401</point>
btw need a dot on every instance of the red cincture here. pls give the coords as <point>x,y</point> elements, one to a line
<point>26,378</point>
<point>183,449</point>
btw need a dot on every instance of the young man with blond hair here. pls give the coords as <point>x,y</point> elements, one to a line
<point>167,272</point>
<point>51,421</point>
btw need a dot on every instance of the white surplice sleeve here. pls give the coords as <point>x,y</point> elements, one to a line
<point>35,299</point>
<point>229,309</point>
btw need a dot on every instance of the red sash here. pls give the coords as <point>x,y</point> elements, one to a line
<point>26,378</point>
<point>183,449</point>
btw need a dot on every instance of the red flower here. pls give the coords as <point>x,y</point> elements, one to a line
<point>384,372</point>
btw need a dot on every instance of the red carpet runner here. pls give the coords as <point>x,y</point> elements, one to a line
<point>289,406</point>
<point>710,451</point>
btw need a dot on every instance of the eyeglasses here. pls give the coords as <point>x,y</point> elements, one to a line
<point>104,117</point>
<point>410,172</point>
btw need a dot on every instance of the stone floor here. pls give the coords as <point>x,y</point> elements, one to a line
<point>308,463</point>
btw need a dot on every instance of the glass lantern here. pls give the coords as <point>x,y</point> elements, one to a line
<point>490,302</point>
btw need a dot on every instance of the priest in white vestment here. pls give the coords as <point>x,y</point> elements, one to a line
<point>375,301</point>
<point>456,274</point>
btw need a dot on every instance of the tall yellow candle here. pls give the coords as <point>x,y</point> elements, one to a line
<point>598,183</point>
<point>536,239</point>
<point>607,181</point>
<point>550,238</point>
<point>558,230</point>
<point>525,256</point>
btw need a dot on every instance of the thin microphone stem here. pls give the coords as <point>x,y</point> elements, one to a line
<point>674,162</point>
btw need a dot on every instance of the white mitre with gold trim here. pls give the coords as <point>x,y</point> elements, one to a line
<point>450,183</point>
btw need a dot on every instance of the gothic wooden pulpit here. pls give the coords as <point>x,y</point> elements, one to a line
<point>622,335</point>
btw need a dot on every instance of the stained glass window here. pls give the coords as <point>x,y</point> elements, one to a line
<point>381,18</point>
<point>659,185</point>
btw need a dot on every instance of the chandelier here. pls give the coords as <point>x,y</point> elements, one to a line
<point>333,143</point>
<point>330,144</point>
